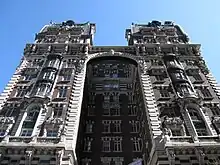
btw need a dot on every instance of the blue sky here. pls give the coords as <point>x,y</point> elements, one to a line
<point>21,19</point>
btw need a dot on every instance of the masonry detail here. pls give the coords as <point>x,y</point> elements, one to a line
<point>70,102</point>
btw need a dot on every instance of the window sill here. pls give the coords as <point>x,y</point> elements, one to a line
<point>163,98</point>
<point>59,98</point>
<point>208,98</point>
<point>87,151</point>
<point>137,151</point>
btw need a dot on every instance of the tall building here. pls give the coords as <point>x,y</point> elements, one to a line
<point>153,102</point>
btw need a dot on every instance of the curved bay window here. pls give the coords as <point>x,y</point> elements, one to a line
<point>43,89</point>
<point>184,89</point>
<point>49,75</point>
<point>179,75</point>
<point>197,122</point>
<point>173,63</point>
<point>53,60</point>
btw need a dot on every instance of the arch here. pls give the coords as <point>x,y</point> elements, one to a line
<point>112,54</point>
<point>33,111</point>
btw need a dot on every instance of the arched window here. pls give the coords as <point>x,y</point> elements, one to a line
<point>30,120</point>
<point>197,121</point>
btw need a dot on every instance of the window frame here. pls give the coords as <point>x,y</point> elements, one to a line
<point>27,132</point>
<point>106,126</point>
<point>116,126</point>
<point>117,144</point>
<point>137,144</point>
<point>62,92</point>
<point>206,93</point>
<point>106,145</point>
<point>164,93</point>
<point>52,133</point>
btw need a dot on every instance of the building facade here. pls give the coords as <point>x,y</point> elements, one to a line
<point>72,103</point>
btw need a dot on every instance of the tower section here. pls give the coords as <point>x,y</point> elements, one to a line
<point>186,95</point>
<point>37,118</point>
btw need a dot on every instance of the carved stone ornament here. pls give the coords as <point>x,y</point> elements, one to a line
<point>173,122</point>
<point>54,121</point>
<point>201,155</point>
<point>216,120</point>
<point>142,64</point>
<point>28,153</point>
<point>80,63</point>
<point>171,153</point>
<point>112,52</point>
<point>59,155</point>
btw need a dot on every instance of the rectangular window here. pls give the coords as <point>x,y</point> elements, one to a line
<point>118,161</point>
<point>21,91</point>
<point>8,110</point>
<point>116,126</point>
<point>106,126</point>
<point>66,75</point>
<point>26,132</point>
<point>52,133</point>
<point>159,77</point>
<point>132,110</point>
<point>36,62</point>
<point>136,144</point>
<point>106,144</point>
<point>62,92</point>
<point>164,93</point>
<point>89,126</point>
<point>197,77</point>
<point>57,110</point>
<point>42,89</point>
<point>201,132</point>
<point>29,74</point>
<point>70,63</point>
<point>86,161</point>
<point>206,93</point>
<point>106,98</point>
<point>91,110</point>
<point>88,144</point>
<point>215,111</point>
<point>51,63</point>
<point>134,126</point>
<point>47,75</point>
<point>200,128</point>
<point>106,163</point>
<point>115,111</point>
<point>28,77</point>
<point>117,144</point>
<point>176,132</point>
<point>107,73</point>
<point>194,115</point>
<point>106,109</point>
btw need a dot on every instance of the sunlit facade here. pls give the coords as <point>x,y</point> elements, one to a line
<point>70,102</point>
